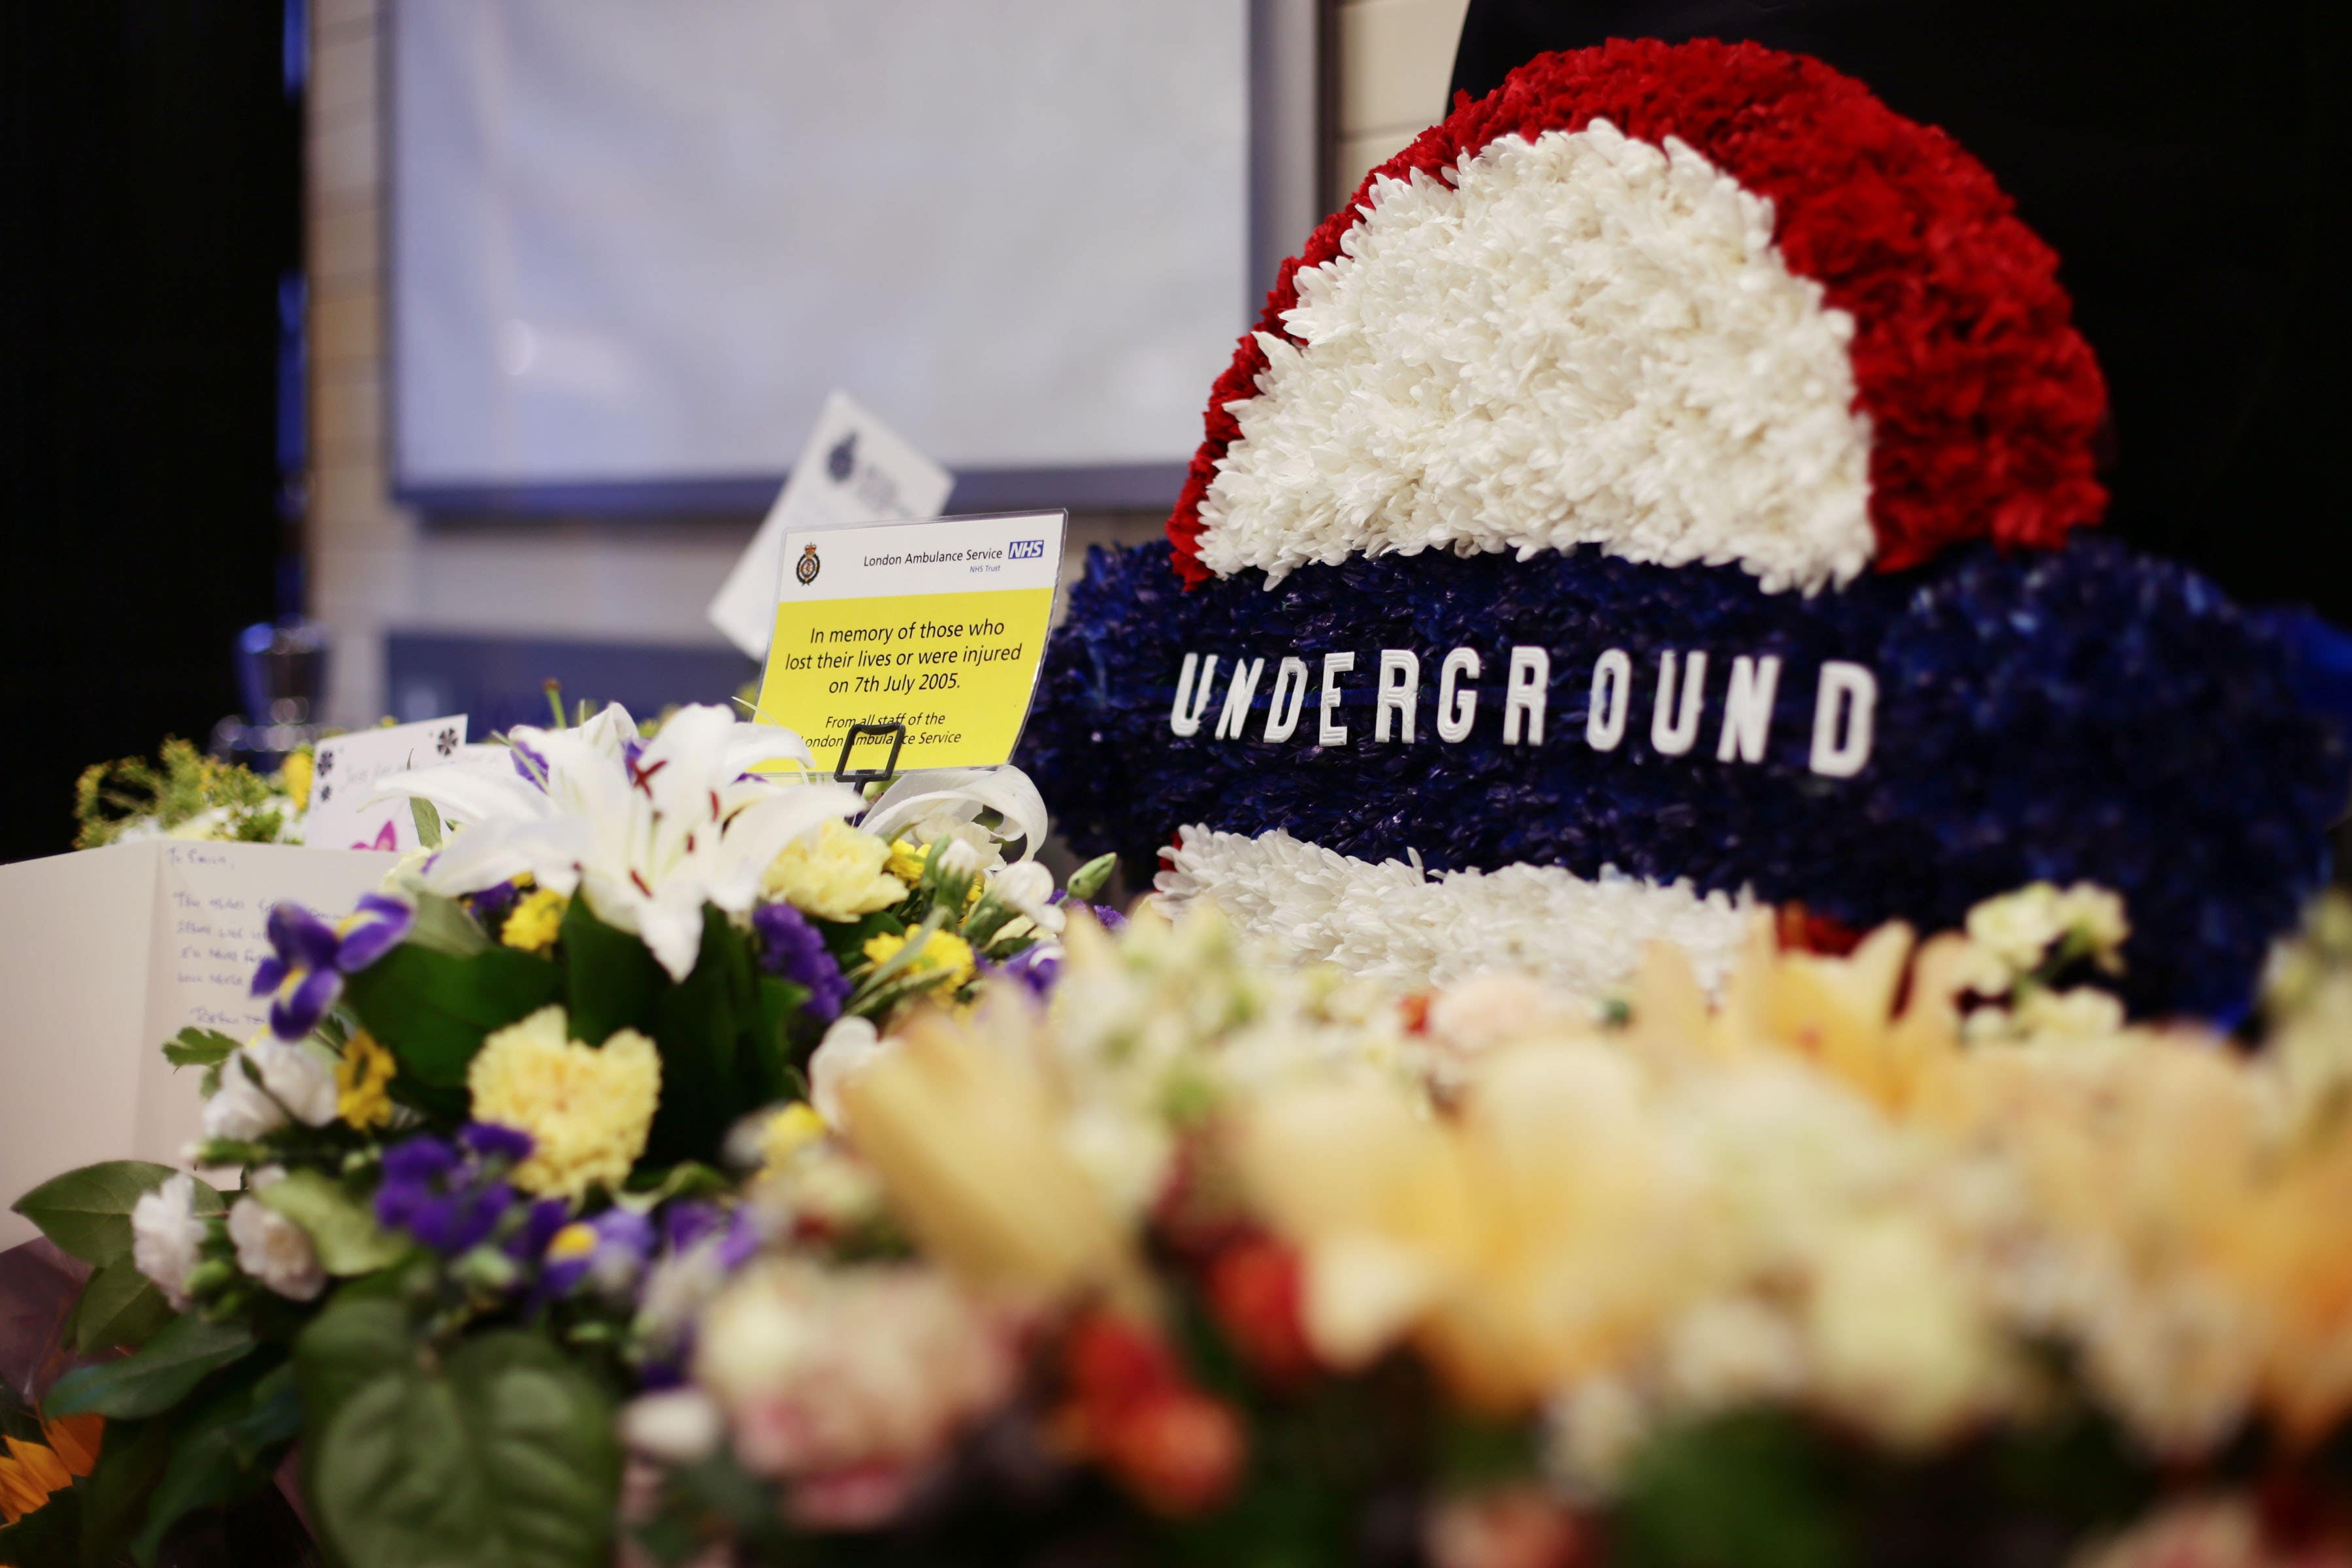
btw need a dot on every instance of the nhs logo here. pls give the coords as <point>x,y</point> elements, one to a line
<point>1027,550</point>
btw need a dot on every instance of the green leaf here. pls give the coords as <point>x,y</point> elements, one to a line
<point>428,821</point>
<point>611,978</point>
<point>88,1211</point>
<point>164,1372</point>
<point>1750,1489</point>
<point>355,1341</point>
<point>230,1448</point>
<point>341,1226</point>
<point>431,1009</point>
<point>131,1460</point>
<point>442,925</point>
<point>506,1460</point>
<point>194,1047</point>
<point>848,942</point>
<point>118,1306</point>
<point>699,1024</point>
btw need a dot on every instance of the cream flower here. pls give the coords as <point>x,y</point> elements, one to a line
<point>167,1237</point>
<point>2019,927</point>
<point>275,1250</point>
<point>588,1108</point>
<point>835,873</point>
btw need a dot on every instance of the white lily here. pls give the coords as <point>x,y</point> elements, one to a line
<point>934,803</point>
<point>646,835</point>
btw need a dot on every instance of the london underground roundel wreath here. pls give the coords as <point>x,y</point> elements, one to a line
<point>1656,491</point>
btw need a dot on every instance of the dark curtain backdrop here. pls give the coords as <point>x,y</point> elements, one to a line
<point>153,197</point>
<point>2189,162</point>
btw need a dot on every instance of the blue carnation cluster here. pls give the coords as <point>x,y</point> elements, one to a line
<point>2078,714</point>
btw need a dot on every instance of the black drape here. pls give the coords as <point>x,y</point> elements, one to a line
<point>2188,165</point>
<point>152,159</point>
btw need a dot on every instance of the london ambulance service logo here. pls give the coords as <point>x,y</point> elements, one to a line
<point>807,566</point>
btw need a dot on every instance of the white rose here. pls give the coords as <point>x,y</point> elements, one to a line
<point>677,1426</point>
<point>167,1237</point>
<point>297,1078</point>
<point>275,1250</point>
<point>848,1048</point>
<point>242,1110</point>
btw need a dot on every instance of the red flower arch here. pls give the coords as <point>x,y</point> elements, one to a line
<point>1984,401</point>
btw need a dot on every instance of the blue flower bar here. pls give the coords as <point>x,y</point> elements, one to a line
<point>1901,747</point>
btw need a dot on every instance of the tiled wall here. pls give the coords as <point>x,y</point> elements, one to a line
<point>1395,59</point>
<point>375,568</point>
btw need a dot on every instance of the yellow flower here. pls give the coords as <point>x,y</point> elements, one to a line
<point>29,1474</point>
<point>945,954</point>
<point>834,874</point>
<point>536,918</point>
<point>907,860</point>
<point>295,775</point>
<point>788,1131</point>
<point>577,1240</point>
<point>360,1080</point>
<point>587,1108</point>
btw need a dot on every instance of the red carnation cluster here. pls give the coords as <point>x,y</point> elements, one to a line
<point>1982,397</point>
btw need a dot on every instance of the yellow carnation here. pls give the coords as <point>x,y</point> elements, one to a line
<point>535,919</point>
<point>944,954</point>
<point>586,1108</point>
<point>360,1080</point>
<point>834,874</point>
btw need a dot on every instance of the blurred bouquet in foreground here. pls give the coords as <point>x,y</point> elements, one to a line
<point>481,1169</point>
<point>667,1167</point>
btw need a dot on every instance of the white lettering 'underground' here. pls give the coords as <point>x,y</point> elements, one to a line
<point>1281,724</point>
<point>1524,696</point>
<point>1185,719</point>
<point>1604,723</point>
<point>1400,693</point>
<point>1845,708</point>
<point>1329,731</point>
<point>1235,712</point>
<point>1851,691</point>
<point>1747,708</point>
<point>1456,710</point>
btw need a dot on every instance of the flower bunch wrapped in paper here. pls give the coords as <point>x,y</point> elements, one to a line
<point>469,1187</point>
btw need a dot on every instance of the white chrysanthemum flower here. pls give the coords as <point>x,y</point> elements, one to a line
<point>295,1083</point>
<point>167,1237</point>
<point>275,1250</point>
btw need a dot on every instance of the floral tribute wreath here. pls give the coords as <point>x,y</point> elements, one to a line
<point>1756,427</point>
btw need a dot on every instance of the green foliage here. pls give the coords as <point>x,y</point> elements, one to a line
<point>341,1227</point>
<point>427,817</point>
<point>130,1462</point>
<point>109,798</point>
<point>504,1458</point>
<point>116,1307</point>
<point>431,1009</point>
<point>221,1450</point>
<point>1755,1488</point>
<point>88,1211</point>
<point>848,943</point>
<point>194,1047</point>
<point>46,1538</point>
<point>163,1373</point>
<point>443,926</point>
<point>610,977</point>
<point>357,1339</point>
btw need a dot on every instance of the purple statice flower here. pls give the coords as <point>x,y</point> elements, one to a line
<point>1036,966</point>
<point>309,958</point>
<point>495,1141</point>
<point>791,946</point>
<point>493,904</point>
<point>608,1252</point>
<point>449,1203</point>
<point>540,1223</point>
<point>1106,916</point>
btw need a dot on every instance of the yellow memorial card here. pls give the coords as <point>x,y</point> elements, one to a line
<point>938,626</point>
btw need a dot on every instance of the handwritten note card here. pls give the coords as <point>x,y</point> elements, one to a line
<point>106,954</point>
<point>346,813</point>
